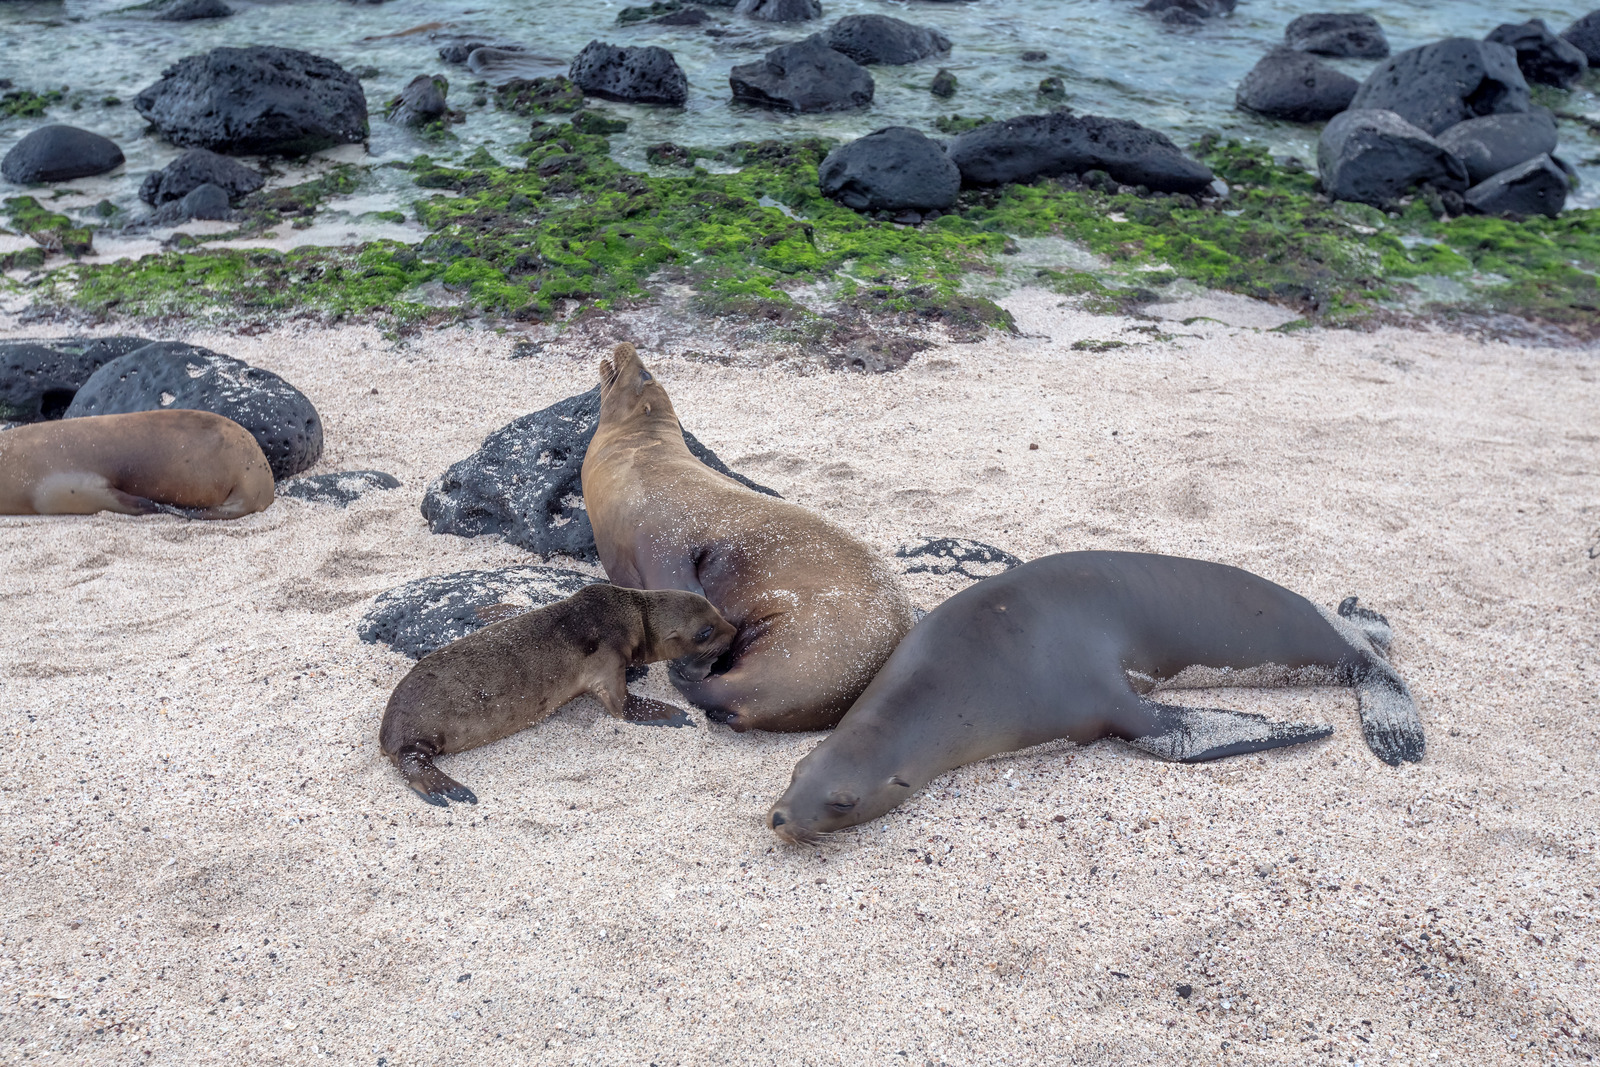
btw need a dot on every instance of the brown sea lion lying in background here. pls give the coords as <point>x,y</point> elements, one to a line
<point>192,463</point>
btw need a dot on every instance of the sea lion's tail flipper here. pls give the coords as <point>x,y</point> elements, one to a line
<point>1375,626</point>
<point>429,782</point>
<point>1191,735</point>
<point>1389,719</point>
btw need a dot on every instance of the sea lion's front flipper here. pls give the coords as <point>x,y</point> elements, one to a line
<point>429,782</point>
<point>648,712</point>
<point>1190,735</point>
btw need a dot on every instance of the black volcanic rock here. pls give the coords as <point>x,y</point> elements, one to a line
<point>805,76</point>
<point>1294,86</point>
<point>641,75</point>
<point>1438,85</point>
<point>1343,35</point>
<point>57,153</point>
<point>261,100</point>
<point>1042,146</point>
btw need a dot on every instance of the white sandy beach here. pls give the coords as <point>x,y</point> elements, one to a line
<point>206,860</point>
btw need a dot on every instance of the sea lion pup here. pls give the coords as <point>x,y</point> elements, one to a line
<point>817,611</point>
<point>191,463</point>
<point>1067,647</point>
<point>515,673</point>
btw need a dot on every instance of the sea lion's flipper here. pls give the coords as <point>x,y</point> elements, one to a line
<point>1375,626</point>
<point>1190,735</point>
<point>429,782</point>
<point>1389,719</point>
<point>648,712</point>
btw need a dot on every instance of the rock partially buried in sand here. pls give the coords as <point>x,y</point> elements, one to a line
<point>1295,87</point>
<point>643,75</point>
<point>197,167</point>
<point>1344,35</point>
<point>1040,146</point>
<point>806,76</point>
<point>259,100</point>
<point>202,202</point>
<point>59,153</point>
<point>170,374</point>
<point>894,169</point>
<point>1374,157</point>
<point>429,613</point>
<point>39,377</point>
<point>525,483</point>
<point>339,489</point>
<point>1438,85</point>
<point>955,555</point>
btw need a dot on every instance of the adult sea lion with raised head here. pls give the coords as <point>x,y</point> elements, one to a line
<point>1070,647</point>
<point>817,611</point>
<point>515,673</point>
<point>191,463</point>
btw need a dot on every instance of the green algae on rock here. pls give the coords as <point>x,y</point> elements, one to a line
<point>570,230</point>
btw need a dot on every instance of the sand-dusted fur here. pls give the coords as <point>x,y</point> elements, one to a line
<point>193,463</point>
<point>817,611</point>
<point>512,674</point>
<point>1071,647</point>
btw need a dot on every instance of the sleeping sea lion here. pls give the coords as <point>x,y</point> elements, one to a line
<point>515,673</point>
<point>817,611</point>
<point>1068,647</point>
<point>191,463</point>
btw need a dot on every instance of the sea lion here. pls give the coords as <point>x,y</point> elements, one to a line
<point>817,611</point>
<point>1067,647</point>
<point>516,672</point>
<point>191,463</point>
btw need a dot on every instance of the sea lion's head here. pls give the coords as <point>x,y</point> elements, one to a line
<point>838,785</point>
<point>628,389</point>
<point>687,630</point>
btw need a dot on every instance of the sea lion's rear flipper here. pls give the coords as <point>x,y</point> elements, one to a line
<point>1389,719</point>
<point>429,782</point>
<point>1375,626</point>
<point>1190,735</point>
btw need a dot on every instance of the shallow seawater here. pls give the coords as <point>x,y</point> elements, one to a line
<point>1113,60</point>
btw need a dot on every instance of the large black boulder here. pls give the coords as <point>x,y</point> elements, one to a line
<point>261,100</point>
<point>525,483</point>
<point>59,154</point>
<point>894,169</point>
<point>1537,187</point>
<point>1293,86</point>
<point>1374,157</point>
<point>1585,34</point>
<point>423,616</point>
<point>804,76</point>
<point>1040,146</point>
<point>170,374</point>
<point>197,167</point>
<point>39,377</point>
<point>779,10</point>
<point>1544,58</point>
<point>1495,143</point>
<point>642,75</point>
<point>1345,36</point>
<point>881,39</point>
<point>1438,85</point>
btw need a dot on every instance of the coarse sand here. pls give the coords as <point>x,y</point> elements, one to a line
<point>206,860</point>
